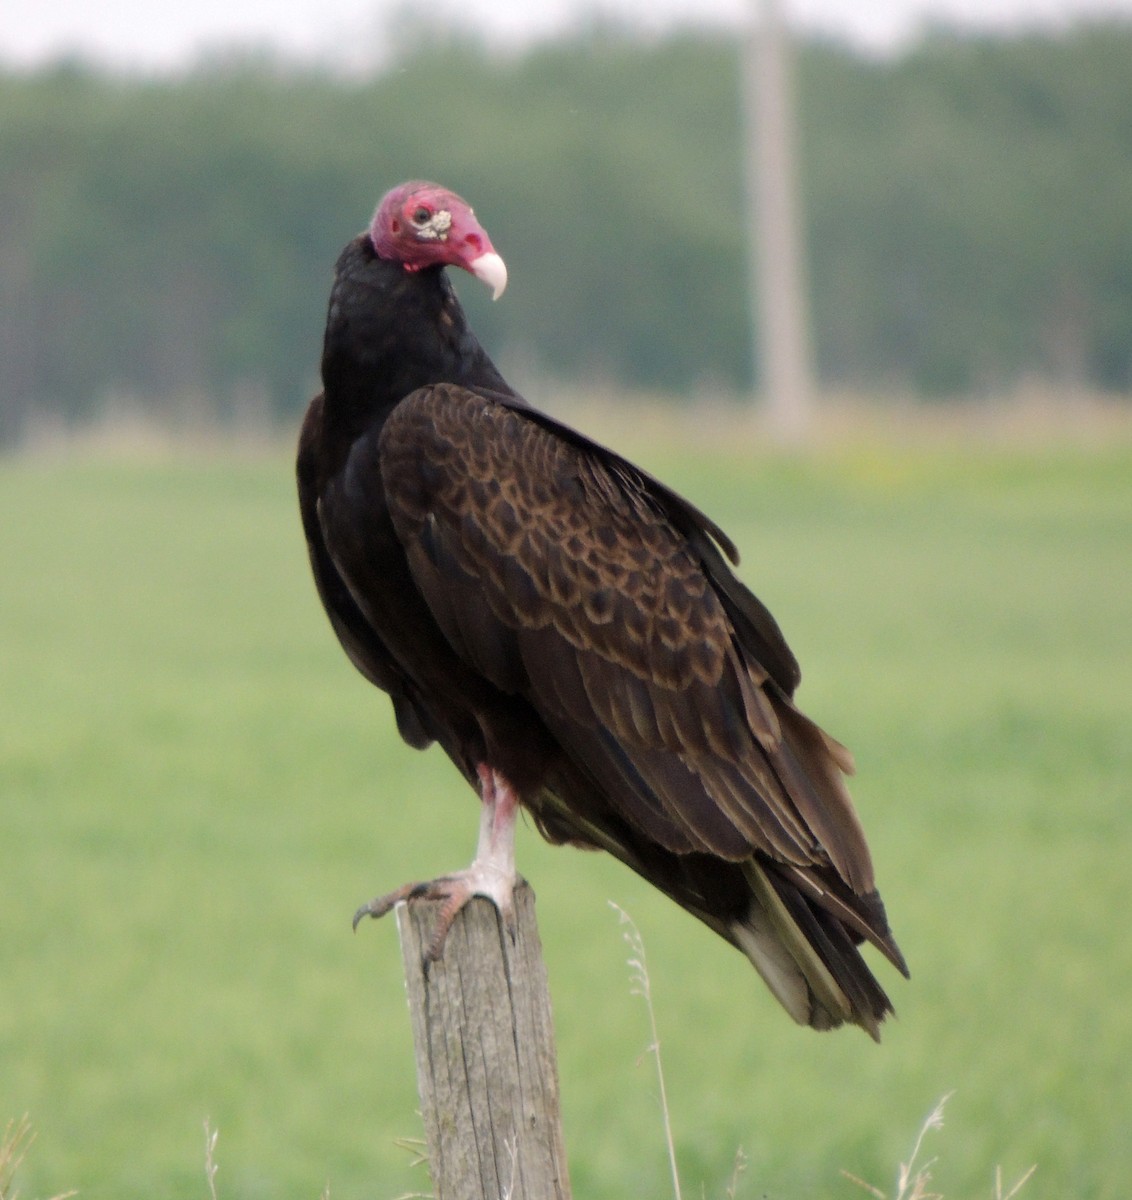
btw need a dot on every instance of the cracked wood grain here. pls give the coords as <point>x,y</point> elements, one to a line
<point>486,1067</point>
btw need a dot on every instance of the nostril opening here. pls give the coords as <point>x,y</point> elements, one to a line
<point>475,241</point>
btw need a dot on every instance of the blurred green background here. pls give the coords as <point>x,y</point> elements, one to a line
<point>196,789</point>
<point>169,240</point>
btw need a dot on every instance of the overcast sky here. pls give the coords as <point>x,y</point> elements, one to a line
<point>148,34</point>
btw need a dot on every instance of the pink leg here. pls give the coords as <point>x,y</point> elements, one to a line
<point>491,874</point>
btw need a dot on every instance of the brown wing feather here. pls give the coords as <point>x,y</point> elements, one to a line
<point>754,624</point>
<point>513,532</point>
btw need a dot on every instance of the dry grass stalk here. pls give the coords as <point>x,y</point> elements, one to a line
<point>210,1164</point>
<point>639,974</point>
<point>18,1137</point>
<point>737,1169</point>
<point>912,1181</point>
<point>999,1194</point>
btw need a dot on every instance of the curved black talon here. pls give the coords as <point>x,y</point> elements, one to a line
<point>380,905</point>
<point>455,890</point>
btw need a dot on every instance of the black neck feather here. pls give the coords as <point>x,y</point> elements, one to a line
<point>390,331</point>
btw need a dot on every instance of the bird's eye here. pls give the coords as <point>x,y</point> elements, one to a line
<point>421,216</point>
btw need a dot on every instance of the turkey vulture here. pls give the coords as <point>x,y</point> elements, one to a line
<point>566,627</point>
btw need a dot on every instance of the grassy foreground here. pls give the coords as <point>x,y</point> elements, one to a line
<point>196,790</point>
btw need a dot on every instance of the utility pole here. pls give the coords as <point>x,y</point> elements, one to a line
<point>775,244</point>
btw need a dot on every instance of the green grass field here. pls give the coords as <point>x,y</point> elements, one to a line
<point>197,790</point>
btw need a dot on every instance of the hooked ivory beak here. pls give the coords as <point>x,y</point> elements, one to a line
<point>492,270</point>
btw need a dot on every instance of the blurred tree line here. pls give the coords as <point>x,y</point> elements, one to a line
<point>967,208</point>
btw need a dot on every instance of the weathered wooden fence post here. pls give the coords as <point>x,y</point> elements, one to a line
<point>486,1066</point>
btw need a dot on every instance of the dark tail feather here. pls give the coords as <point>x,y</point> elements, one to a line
<point>799,929</point>
<point>864,915</point>
<point>807,956</point>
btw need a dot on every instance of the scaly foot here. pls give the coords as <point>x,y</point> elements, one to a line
<point>455,890</point>
<point>492,873</point>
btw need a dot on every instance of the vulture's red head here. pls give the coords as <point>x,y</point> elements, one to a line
<point>423,225</point>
